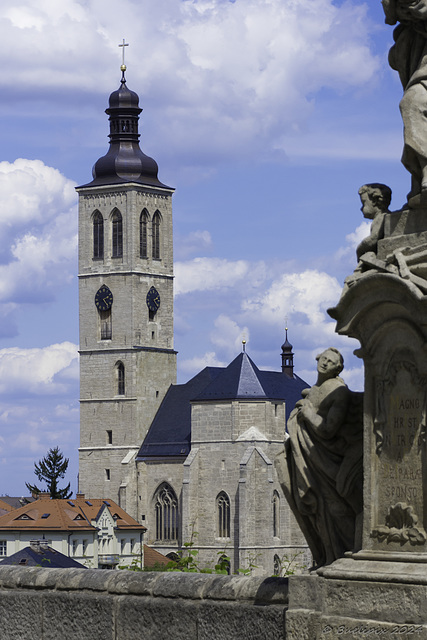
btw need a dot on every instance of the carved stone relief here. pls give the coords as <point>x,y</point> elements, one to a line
<point>400,438</point>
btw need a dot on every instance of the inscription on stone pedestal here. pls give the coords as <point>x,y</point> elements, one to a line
<point>400,432</point>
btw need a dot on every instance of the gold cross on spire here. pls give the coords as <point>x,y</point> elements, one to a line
<point>123,45</point>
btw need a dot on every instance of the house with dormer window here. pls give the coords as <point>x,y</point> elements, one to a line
<point>96,532</point>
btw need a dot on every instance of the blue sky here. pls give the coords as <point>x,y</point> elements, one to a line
<point>265,115</point>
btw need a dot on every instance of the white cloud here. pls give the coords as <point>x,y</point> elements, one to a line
<point>362,231</point>
<point>226,76</point>
<point>196,242</point>
<point>196,364</point>
<point>307,294</point>
<point>38,230</point>
<point>228,335</point>
<point>205,274</point>
<point>29,371</point>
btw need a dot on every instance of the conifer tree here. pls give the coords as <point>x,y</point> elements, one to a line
<point>49,470</point>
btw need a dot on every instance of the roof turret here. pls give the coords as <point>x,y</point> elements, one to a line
<point>287,357</point>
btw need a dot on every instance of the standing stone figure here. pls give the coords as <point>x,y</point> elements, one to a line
<point>320,469</point>
<point>408,56</point>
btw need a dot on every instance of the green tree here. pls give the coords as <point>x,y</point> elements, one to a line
<point>49,470</point>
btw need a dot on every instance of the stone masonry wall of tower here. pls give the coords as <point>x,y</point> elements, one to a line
<point>127,358</point>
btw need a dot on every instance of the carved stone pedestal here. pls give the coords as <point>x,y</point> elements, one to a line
<point>357,598</point>
<point>382,588</point>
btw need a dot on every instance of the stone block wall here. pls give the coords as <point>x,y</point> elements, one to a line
<point>76,604</point>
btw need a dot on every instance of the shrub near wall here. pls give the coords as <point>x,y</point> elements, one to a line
<point>77,604</point>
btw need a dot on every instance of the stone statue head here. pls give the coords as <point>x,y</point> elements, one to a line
<point>330,363</point>
<point>376,198</point>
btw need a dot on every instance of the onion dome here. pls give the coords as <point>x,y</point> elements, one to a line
<point>287,357</point>
<point>125,162</point>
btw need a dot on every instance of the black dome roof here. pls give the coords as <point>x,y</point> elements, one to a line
<point>124,161</point>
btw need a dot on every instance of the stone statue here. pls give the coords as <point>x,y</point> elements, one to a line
<point>320,470</point>
<point>375,198</point>
<point>408,56</point>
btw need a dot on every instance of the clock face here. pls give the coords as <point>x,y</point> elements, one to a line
<point>153,299</point>
<point>103,298</point>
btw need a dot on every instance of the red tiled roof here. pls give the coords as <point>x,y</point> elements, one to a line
<point>153,557</point>
<point>64,515</point>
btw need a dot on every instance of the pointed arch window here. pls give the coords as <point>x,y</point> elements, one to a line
<point>143,234</point>
<point>276,514</point>
<point>166,508</point>
<point>98,235</point>
<point>105,324</point>
<point>156,235</point>
<point>223,515</point>
<point>120,378</point>
<point>117,234</point>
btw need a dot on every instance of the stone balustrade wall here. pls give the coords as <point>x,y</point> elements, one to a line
<point>79,604</point>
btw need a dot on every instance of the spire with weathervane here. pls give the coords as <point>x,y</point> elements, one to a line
<point>125,162</point>
<point>287,356</point>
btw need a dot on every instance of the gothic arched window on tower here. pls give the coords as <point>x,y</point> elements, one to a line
<point>156,235</point>
<point>98,235</point>
<point>120,378</point>
<point>166,508</point>
<point>276,514</point>
<point>143,234</point>
<point>117,234</point>
<point>223,515</point>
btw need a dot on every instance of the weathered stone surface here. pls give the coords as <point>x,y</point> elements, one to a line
<point>77,616</point>
<point>134,582</point>
<point>47,604</point>
<point>240,621</point>
<point>155,618</point>
<point>328,607</point>
<point>21,615</point>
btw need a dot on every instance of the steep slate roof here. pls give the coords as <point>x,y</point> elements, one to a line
<point>15,502</point>
<point>242,379</point>
<point>75,514</point>
<point>170,431</point>
<point>42,557</point>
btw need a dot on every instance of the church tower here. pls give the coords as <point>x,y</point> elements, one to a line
<point>127,359</point>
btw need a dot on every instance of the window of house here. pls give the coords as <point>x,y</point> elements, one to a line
<point>120,378</point>
<point>117,234</point>
<point>166,508</point>
<point>223,515</point>
<point>74,547</point>
<point>98,235</point>
<point>84,547</point>
<point>122,546</point>
<point>3,547</point>
<point>143,234</point>
<point>156,235</point>
<point>276,514</point>
<point>132,545</point>
<point>107,474</point>
<point>109,436</point>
